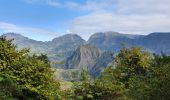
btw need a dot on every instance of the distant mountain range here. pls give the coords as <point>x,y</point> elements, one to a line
<point>70,51</point>
<point>57,50</point>
<point>154,42</point>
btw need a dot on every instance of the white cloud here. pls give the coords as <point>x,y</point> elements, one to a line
<point>123,6</point>
<point>105,21</point>
<point>144,6</point>
<point>8,27</point>
<point>116,6</point>
<point>127,16</point>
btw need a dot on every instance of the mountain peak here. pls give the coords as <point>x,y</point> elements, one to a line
<point>18,37</point>
<point>13,35</point>
<point>104,35</point>
<point>69,37</point>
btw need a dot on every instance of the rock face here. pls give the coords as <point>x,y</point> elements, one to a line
<point>89,58</point>
<point>83,58</point>
<point>102,62</point>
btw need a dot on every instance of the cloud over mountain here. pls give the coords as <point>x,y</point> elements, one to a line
<point>127,16</point>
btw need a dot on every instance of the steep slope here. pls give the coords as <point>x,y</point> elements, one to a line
<point>102,62</point>
<point>62,47</point>
<point>89,58</point>
<point>83,58</point>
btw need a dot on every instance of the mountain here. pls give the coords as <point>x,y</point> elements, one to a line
<point>57,49</point>
<point>89,58</point>
<point>113,41</point>
<point>70,51</point>
<point>62,47</point>
<point>66,42</point>
<point>24,42</point>
<point>109,41</point>
<point>155,42</point>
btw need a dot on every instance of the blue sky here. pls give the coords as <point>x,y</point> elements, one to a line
<point>46,19</point>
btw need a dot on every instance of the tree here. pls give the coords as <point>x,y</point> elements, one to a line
<point>137,75</point>
<point>107,87</point>
<point>146,76</point>
<point>33,75</point>
<point>125,80</point>
<point>82,89</point>
<point>132,62</point>
<point>154,86</point>
<point>160,78</point>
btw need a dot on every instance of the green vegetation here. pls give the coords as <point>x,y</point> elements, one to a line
<point>135,75</point>
<point>23,76</point>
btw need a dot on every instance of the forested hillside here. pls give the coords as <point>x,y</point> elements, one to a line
<point>135,74</point>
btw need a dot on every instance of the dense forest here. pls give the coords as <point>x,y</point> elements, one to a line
<point>134,75</point>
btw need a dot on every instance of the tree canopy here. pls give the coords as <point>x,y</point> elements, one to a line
<point>23,76</point>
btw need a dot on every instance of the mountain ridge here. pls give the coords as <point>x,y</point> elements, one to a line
<point>60,49</point>
<point>73,34</point>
